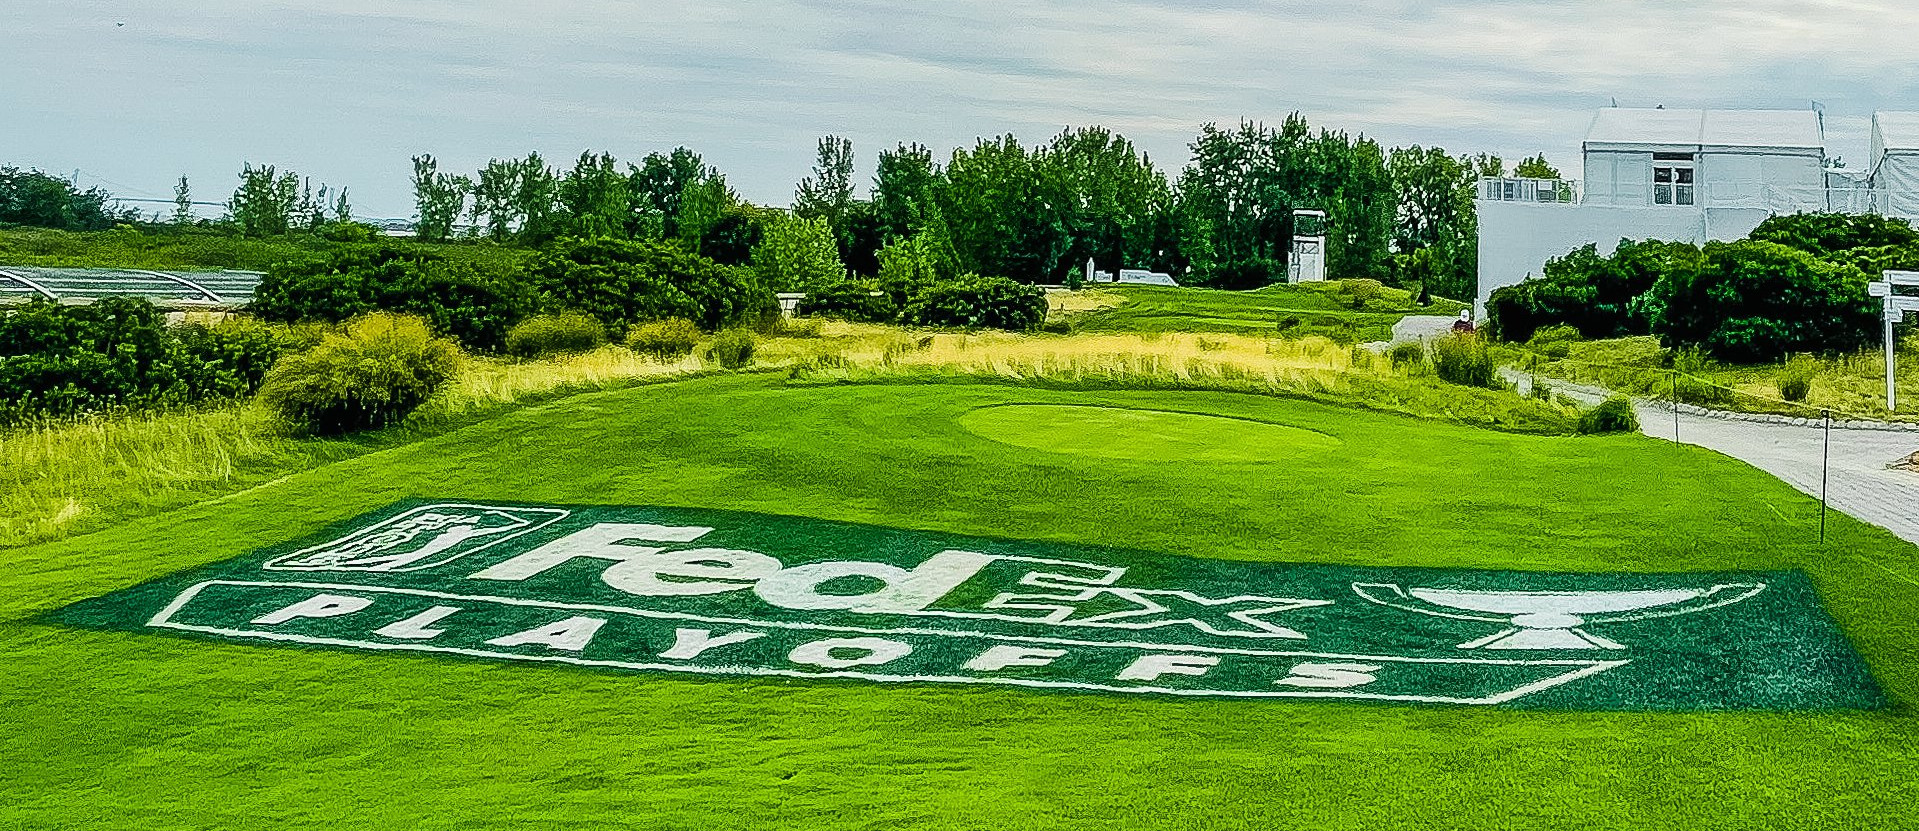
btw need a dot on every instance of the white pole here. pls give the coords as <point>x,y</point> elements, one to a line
<point>1892,401</point>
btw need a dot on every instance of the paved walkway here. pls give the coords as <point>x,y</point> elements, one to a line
<point>1857,481</point>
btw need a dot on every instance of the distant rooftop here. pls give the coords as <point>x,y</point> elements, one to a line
<point>1622,127</point>
<point>170,288</point>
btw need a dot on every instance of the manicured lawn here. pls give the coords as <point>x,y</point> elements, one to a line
<point>1306,309</point>
<point>112,730</point>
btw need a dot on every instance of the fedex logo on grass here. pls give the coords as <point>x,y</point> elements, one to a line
<point>718,593</point>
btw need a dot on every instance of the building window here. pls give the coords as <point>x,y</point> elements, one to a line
<point>1672,179</point>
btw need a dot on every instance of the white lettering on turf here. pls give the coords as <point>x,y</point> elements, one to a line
<point>1317,675</point>
<point>1151,667</point>
<point>900,592</point>
<point>997,658</point>
<point>417,627</point>
<point>613,541</point>
<point>571,634</point>
<point>820,653</point>
<point>691,643</point>
<point>319,605</point>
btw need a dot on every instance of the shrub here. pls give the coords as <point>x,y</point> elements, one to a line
<point>370,375</point>
<point>1463,359</point>
<point>732,349</point>
<point>1755,302</point>
<point>459,300</point>
<point>1596,295</point>
<point>1405,354</point>
<point>555,334</point>
<point>850,300</point>
<point>1795,378</point>
<point>974,302</point>
<point>622,283</point>
<point>664,340</point>
<point>1614,415</point>
<point>58,361</point>
<point>1360,292</point>
<point>1821,234</point>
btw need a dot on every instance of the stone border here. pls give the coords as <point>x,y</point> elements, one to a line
<point>1771,418</point>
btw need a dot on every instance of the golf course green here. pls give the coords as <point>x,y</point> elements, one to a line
<point>108,729</point>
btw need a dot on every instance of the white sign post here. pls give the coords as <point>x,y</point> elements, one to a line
<point>1896,306</point>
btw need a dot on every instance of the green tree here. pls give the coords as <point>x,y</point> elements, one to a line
<point>1003,211</point>
<point>1437,227</point>
<point>904,187</point>
<point>1486,165</point>
<point>30,197</point>
<point>1112,198</point>
<point>797,254</point>
<point>595,200</point>
<point>657,184</point>
<point>536,200</point>
<point>1535,167</point>
<point>265,203</point>
<point>1756,302</point>
<point>495,198</point>
<point>182,203</point>
<point>439,199</point>
<point>829,191</point>
<point>702,206</point>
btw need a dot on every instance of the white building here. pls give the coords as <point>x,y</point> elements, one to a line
<point>1690,175</point>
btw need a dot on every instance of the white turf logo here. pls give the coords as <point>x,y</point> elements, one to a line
<point>1551,620</point>
<point>423,537</point>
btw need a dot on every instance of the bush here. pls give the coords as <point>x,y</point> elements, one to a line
<point>1795,378</point>
<point>1595,295</point>
<point>1822,234</point>
<point>1614,415</point>
<point>664,340</point>
<point>1463,359</point>
<point>622,283</point>
<point>1360,292</point>
<point>370,375</point>
<point>975,302</point>
<point>1755,302</point>
<point>1406,354</point>
<point>732,349</point>
<point>58,361</point>
<point>472,306</point>
<point>558,334</point>
<point>850,300</point>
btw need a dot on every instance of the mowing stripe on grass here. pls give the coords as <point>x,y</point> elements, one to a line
<point>650,589</point>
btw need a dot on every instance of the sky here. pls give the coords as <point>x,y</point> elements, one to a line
<point>133,94</point>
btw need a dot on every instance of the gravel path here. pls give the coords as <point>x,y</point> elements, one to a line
<point>1857,482</point>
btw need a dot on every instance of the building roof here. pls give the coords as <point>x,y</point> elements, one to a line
<point>1623,127</point>
<point>1895,131</point>
<point>83,285</point>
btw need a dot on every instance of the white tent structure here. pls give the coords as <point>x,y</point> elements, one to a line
<point>1772,159</point>
<point>1894,179</point>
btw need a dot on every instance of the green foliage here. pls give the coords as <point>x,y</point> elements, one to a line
<point>1595,294</point>
<point>1614,415</point>
<point>664,340</point>
<point>1004,211</point>
<point>369,375</point>
<point>1115,203</point>
<point>656,186</point>
<point>904,188</point>
<point>797,254</point>
<point>1691,382</point>
<point>850,300</point>
<point>595,200</point>
<point>1824,234</point>
<point>1407,354</point>
<point>622,283</point>
<point>58,361</point>
<point>1358,293</point>
<point>1554,341</point>
<point>828,194</point>
<point>732,349</point>
<point>1796,377</point>
<point>514,199</point>
<point>1535,167</point>
<point>30,197</point>
<point>979,302</point>
<point>909,265</point>
<point>1463,359</point>
<point>554,334</point>
<point>472,305</point>
<point>439,198</point>
<point>1437,228</point>
<point>1754,302</point>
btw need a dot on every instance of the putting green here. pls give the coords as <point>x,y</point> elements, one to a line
<point>1147,435</point>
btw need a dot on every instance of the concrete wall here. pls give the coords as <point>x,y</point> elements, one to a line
<point>1517,238</point>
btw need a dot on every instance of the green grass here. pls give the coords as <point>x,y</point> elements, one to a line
<point>1311,309</point>
<point>128,247</point>
<point>1853,386</point>
<point>108,730</point>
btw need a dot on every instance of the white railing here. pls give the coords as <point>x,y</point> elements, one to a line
<point>1515,189</point>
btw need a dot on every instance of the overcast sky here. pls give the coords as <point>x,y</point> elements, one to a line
<point>134,93</point>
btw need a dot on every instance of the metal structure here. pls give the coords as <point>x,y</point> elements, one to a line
<point>173,289</point>
<point>1896,306</point>
<point>1308,261</point>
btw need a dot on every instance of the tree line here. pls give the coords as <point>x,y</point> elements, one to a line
<point>1034,213</point>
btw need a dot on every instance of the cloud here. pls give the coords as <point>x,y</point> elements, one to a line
<point>348,90</point>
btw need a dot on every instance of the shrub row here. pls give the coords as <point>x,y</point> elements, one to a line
<point>971,302</point>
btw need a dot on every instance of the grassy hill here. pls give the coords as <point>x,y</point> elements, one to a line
<point>122,730</point>
<point>1291,310</point>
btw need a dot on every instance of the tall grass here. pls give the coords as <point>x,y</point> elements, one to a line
<point>56,481</point>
